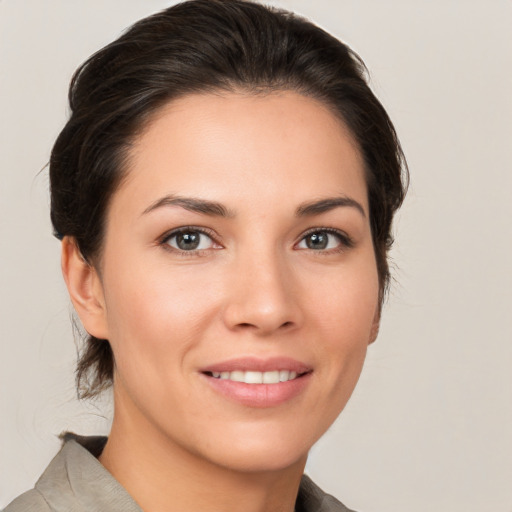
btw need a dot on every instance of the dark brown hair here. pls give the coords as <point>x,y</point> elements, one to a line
<point>200,46</point>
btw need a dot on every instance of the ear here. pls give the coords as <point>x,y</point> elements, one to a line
<point>85,289</point>
<point>375,326</point>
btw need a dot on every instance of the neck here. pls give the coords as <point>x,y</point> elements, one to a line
<point>162,476</point>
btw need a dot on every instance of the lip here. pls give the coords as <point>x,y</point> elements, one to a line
<point>258,365</point>
<point>259,395</point>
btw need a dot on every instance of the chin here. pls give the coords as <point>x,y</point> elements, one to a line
<point>258,449</point>
<point>265,459</point>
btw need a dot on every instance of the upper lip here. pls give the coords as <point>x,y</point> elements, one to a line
<point>258,365</point>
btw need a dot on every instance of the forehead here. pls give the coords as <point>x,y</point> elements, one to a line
<point>230,146</point>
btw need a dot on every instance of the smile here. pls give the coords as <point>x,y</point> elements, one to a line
<point>254,377</point>
<point>259,383</point>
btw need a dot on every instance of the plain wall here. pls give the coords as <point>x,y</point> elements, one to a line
<point>430,424</point>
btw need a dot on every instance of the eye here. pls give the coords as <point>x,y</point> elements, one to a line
<point>189,239</point>
<point>324,240</point>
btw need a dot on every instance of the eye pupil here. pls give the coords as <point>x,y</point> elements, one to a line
<point>317,241</point>
<point>188,241</point>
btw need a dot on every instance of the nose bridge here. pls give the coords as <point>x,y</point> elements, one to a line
<point>262,296</point>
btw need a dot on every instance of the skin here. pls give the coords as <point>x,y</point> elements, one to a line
<point>254,289</point>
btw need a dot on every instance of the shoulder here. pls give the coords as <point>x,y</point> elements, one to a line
<point>312,499</point>
<point>75,481</point>
<point>31,501</point>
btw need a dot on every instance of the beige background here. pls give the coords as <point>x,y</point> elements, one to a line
<point>430,425</point>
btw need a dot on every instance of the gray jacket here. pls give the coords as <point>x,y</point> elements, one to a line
<point>75,481</point>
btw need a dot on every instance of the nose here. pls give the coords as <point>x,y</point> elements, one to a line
<point>263,296</point>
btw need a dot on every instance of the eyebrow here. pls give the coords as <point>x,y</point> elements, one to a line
<point>192,204</point>
<point>215,209</point>
<point>327,204</point>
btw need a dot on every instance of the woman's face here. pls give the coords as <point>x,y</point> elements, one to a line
<point>238,278</point>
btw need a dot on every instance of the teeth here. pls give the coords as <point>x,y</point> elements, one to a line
<point>251,377</point>
<point>237,376</point>
<point>271,377</point>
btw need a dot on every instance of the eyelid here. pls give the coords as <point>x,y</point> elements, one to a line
<point>346,242</point>
<point>163,239</point>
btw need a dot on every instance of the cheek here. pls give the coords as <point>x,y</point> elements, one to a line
<point>154,317</point>
<point>345,314</point>
<point>345,302</point>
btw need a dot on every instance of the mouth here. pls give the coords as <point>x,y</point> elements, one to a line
<point>255,377</point>
<point>259,383</point>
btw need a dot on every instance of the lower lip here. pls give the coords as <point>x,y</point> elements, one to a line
<point>260,395</point>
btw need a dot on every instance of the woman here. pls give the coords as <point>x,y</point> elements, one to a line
<point>224,191</point>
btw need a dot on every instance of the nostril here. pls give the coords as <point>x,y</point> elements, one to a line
<point>247,325</point>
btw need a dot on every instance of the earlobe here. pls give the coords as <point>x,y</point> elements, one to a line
<point>375,327</point>
<point>85,289</point>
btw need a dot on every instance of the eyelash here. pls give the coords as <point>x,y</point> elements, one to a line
<point>345,242</point>
<point>164,240</point>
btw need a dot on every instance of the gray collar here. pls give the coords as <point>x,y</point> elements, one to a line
<point>75,481</point>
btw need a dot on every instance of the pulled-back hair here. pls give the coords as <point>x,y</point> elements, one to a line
<point>193,47</point>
